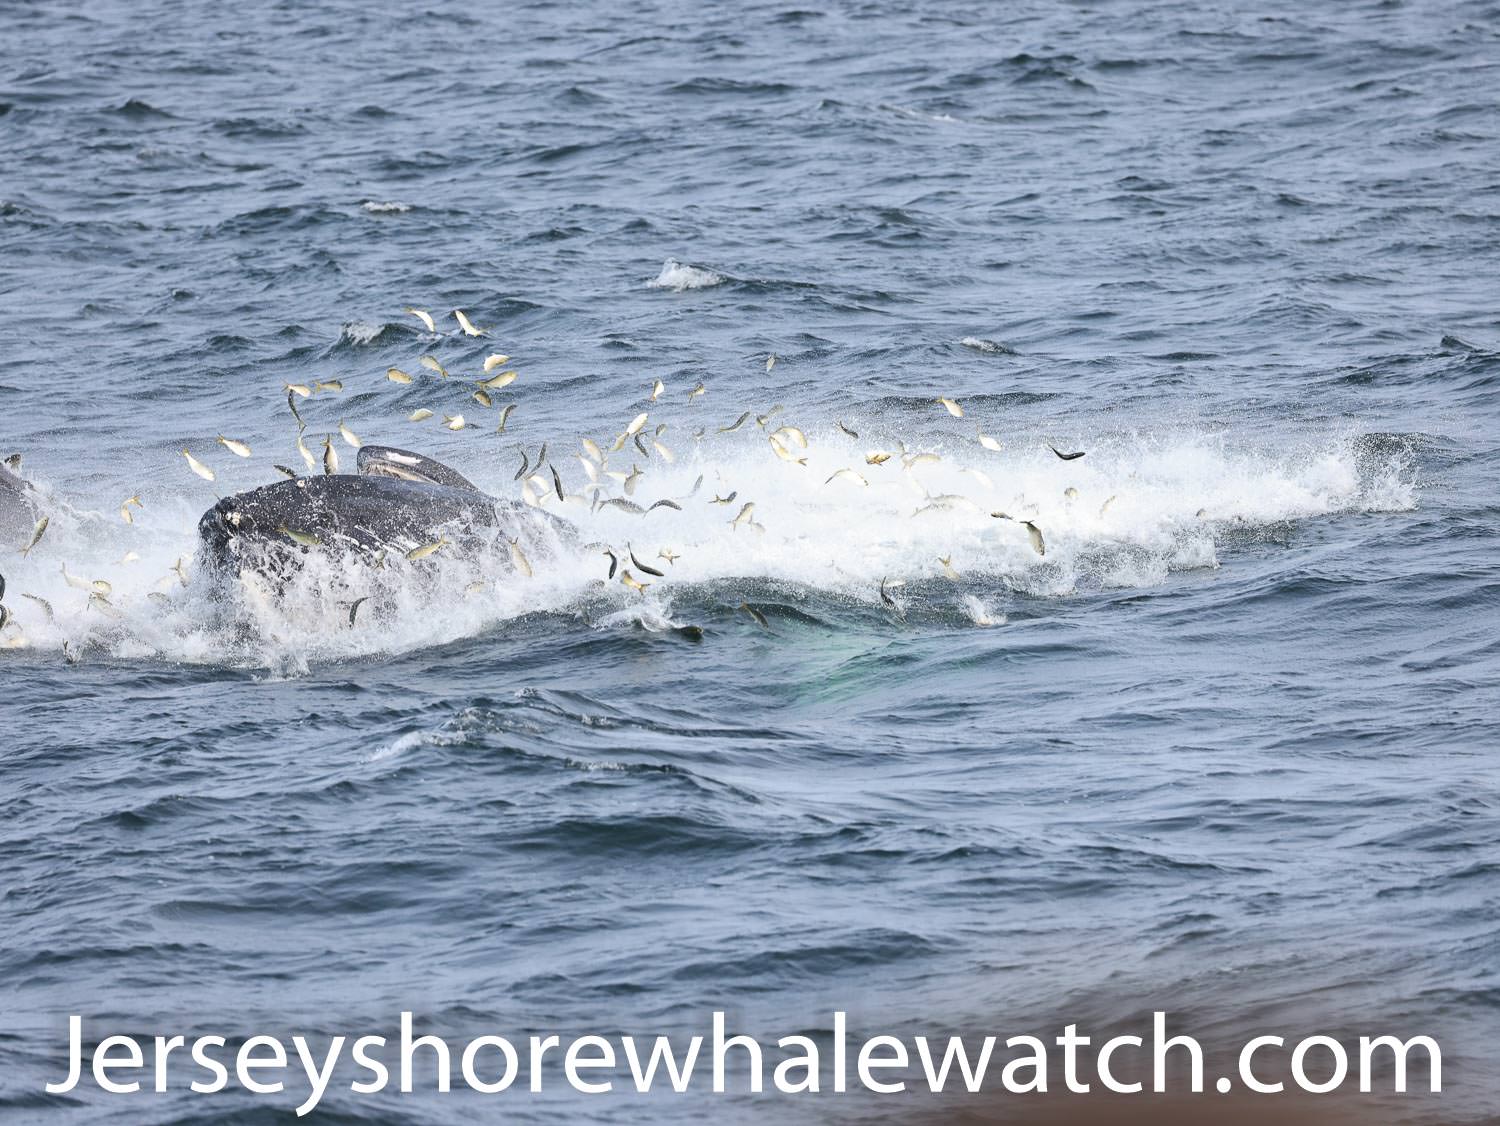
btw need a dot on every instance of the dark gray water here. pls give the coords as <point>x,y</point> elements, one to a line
<point>1227,747</point>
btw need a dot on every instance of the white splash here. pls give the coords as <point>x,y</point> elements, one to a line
<point>921,115</point>
<point>1132,511</point>
<point>361,332</point>
<point>390,207</point>
<point>980,613</point>
<point>1135,509</point>
<point>678,277</point>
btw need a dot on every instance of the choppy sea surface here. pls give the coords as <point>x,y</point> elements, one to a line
<point>1227,748</point>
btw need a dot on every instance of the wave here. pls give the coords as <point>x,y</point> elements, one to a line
<point>989,347</point>
<point>363,334</point>
<point>677,276</point>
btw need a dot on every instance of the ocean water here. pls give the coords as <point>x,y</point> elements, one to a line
<point>1227,748</point>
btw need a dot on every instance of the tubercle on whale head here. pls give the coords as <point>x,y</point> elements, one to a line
<point>218,543</point>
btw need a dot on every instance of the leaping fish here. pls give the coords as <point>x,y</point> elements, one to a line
<point>36,535</point>
<point>846,475</point>
<point>793,433</point>
<point>1034,533</point>
<point>427,549</point>
<point>623,505</point>
<point>301,539</point>
<point>496,382</point>
<point>522,563</point>
<point>643,567</point>
<point>198,467</point>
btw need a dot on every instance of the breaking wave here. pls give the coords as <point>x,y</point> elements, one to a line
<point>989,347</point>
<point>677,277</point>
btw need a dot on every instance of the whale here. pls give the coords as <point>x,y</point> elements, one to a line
<point>20,507</point>
<point>395,504</point>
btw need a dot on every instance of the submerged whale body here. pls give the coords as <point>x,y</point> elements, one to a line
<point>397,503</point>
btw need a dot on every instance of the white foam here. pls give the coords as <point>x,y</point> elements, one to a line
<point>361,332</point>
<point>677,276</point>
<point>1176,495</point>
<point>837,534</point>
<point>415,740</point>
<point>981,613</point>
<point>390,207</point>
<point>921,115</point>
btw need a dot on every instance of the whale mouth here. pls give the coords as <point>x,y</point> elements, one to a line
<point>404,465</point>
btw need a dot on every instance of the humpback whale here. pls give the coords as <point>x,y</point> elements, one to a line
<point>19,507</point>
<point>395,503</point>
